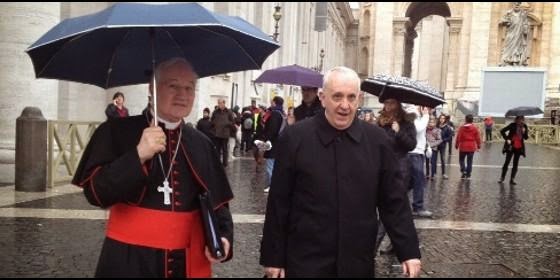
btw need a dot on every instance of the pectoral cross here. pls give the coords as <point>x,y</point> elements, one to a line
<point>166,192</point>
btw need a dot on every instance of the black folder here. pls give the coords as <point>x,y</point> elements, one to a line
<point>211,233</point>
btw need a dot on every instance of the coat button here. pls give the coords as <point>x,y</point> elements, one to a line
<point>175,162</point>
<point>170,260</point>
<point>175,172</point>
<point>177,203</point>
<point>170,272</point>
<point>176,183</point>
<point>177,193</point>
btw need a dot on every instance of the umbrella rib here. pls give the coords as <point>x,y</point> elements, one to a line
<point>174,41</point>
<point>64,46</point>
<point>113,56</point>
<point>241,47</point>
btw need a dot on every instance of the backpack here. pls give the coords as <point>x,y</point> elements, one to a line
<point>248,124</point>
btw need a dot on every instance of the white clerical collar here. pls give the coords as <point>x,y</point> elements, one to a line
<point>169,125</point>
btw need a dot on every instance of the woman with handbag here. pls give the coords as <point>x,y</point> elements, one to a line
<point>514,135</point>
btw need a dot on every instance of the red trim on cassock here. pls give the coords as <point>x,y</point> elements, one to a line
<point>92,187</point>
<point>198,179</point>
<point>162,230</point>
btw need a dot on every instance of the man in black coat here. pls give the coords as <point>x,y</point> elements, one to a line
<point>331,174</point>
<point>310,104</point>
<point>149,177</point>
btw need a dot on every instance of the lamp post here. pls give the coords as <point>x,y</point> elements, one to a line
<point>277,16</point>
<point>319,68</point>
<point>321,55</point>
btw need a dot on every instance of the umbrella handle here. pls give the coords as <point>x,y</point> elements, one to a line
<point>382,91</point>
<point>154,84</point>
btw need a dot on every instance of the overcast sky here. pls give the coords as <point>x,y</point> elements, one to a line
<point>354,5</point>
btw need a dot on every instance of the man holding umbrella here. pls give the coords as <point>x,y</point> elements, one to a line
<point>149,177</point>
<point>310,104</point>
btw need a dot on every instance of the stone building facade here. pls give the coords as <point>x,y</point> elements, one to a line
<point>449,43</point>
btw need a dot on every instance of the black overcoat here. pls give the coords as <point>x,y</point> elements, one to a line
<point>321,213</point>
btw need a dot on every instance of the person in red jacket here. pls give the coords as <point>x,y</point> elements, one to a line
<point>468,142</point>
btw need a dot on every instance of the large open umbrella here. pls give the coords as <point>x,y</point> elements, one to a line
<point>120,45</point>
<point>404,89</point>
<point>524,111</point>
<point>292,75</point>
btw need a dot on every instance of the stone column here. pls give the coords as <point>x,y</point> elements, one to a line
<point>21,24</point>
<point>383,48</point>
<point>478,56</point>
<point>399,37</point>
<point>455,25</point>
<point>464,41</point>
<point>554,66</point>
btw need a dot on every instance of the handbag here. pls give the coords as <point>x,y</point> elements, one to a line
<point>428,152</point>
<point>211,234</point>
<point>507,148</point>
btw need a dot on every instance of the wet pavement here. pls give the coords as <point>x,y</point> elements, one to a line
<point>480,228</point>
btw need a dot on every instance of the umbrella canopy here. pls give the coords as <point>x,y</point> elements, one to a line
<point>292,75</point>
<point>119,45</point>
<point>403,89</point>
<point>523,111</point>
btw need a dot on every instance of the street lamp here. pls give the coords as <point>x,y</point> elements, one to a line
<point>277,16</point>
<point>321,55</point>
<point>319,68</point>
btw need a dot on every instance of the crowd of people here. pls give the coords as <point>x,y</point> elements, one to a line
<point>334,179</point>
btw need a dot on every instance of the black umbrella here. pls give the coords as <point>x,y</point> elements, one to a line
<point>120,45</point>
<point>524,111</point>
<point>404,89</point>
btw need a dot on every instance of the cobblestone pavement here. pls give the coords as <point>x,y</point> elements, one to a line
<point>480,228</point>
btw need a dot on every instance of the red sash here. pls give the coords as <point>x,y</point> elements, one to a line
<point>162,230</point>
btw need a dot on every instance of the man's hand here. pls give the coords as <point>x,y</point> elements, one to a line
<point>225,243</point>
<point>152,142</point>
<point>274,272</point>
<point>395,126</point>
<point>412,268</point>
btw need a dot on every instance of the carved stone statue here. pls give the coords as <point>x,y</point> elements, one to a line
<point>515,50</point>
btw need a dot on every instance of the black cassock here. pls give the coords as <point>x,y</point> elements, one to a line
<point>145,237</point>
<point>326,185</point>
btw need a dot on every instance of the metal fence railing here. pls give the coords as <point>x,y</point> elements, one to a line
<point>538,134</point>
<point>66,143</point>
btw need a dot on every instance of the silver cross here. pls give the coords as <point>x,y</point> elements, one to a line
<point>166,192</point>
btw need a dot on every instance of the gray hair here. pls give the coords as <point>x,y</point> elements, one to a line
<point>172,61</point>
<point>347,72</point>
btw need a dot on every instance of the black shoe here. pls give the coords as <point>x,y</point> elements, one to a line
<point>501,180</point>
<point>464,176</point>
<point>512,182</point>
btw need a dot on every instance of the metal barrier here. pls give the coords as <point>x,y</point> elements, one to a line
<point>67,141</point>
<point>538,134</point>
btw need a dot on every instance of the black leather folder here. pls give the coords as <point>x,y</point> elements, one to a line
<point>212,235</point>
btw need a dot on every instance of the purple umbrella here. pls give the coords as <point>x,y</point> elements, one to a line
<point>292,75</point>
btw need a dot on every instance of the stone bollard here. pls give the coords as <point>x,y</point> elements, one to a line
<point>31,151</point>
